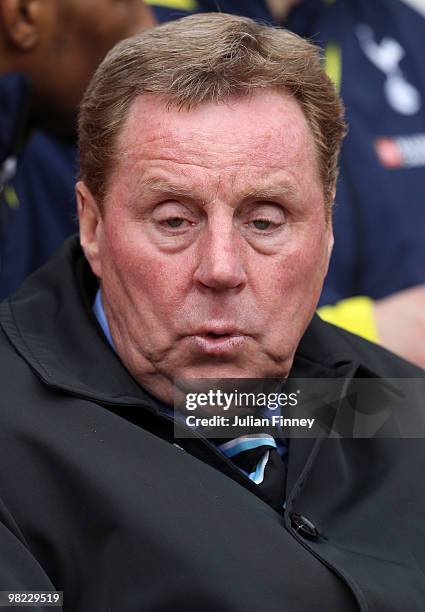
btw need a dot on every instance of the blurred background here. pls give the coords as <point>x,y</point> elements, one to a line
<point>373,50</point>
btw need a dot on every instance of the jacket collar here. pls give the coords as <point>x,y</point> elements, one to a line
<point>75,356</point>
<point>50,322</point>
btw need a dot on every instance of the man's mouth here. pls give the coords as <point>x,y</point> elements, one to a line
<point>214,343</point>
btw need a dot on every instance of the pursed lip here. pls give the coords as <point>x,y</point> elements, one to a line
<point>219,328</point>
<point>218,338</point>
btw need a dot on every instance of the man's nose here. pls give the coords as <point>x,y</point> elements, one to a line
<point>221,264</point>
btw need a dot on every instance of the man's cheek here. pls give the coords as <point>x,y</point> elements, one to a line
<point>287,274</point>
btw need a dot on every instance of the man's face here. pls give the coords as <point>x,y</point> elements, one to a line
<point>213,244</point>
<point>75,35</point>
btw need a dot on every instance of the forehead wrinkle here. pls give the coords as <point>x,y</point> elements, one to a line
<point>196,157</point>
<point>237,159</point>
<point>174,132</point>
<point>190,147</point>
<point>135,158</point>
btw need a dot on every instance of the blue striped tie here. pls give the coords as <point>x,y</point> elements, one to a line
<point>257,456</point>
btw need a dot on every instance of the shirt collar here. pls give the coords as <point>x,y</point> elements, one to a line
<point>101,317</point>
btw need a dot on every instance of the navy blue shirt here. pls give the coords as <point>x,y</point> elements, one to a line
<point>37,203</point>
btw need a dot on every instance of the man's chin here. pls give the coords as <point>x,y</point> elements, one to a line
<point>229,369</point>
<point>241,362</point>
<point>215,370</point>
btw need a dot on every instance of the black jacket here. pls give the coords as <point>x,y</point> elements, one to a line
<point>97,501</point>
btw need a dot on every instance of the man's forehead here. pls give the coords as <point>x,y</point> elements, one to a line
<point>268,127</point>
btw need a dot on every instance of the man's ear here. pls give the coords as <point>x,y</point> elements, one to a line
<point>91,226</point>
<point>328,246</point>
<point>20,22</point>
<point>330,240</point>
<point>330,234</point>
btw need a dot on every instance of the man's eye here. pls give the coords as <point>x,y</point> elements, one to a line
<point>175,222</point>
<point>262,224</point>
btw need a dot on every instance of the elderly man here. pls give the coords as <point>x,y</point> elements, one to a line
<point>208,164</point>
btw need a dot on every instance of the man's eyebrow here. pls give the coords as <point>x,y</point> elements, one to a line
<point>270,192</point>
<point>157,185</point>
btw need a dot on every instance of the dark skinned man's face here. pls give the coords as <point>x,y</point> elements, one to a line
<point>77,35</point>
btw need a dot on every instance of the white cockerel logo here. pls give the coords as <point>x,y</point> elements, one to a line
<point>401,95</point>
